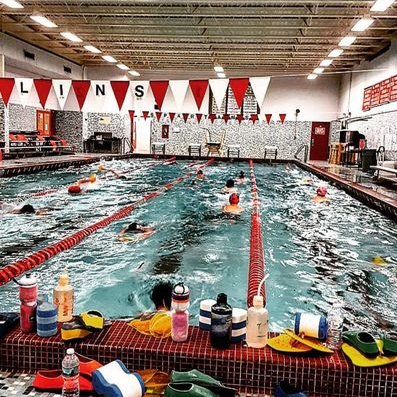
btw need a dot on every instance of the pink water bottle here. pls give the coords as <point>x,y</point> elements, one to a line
<point>180,314</point>
<point>28,297</point>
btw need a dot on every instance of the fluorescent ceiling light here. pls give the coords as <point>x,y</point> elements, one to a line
<point>348,40</point>
<point>43,21</point>
<point>335,53</point>
<point>312,76</point>
<point>122,66</point>
<point>92,49</point>
<point>11,3</point>
<point>326,62</point>
<point>109,58</point>
<point>362,24</point>
<point>218,69</point>
<point>72,37</point>
<point>382,5</point>
<point>318,70</point>
<point>134,73</point>
<point>221,75</point>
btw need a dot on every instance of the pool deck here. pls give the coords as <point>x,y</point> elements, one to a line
<point>358,184</point>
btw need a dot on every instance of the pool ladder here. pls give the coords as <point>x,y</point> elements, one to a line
<point>305,154</point>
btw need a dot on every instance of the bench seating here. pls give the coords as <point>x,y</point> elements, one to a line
<point>386,170</point>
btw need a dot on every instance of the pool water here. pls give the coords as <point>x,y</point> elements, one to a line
<point>313,253</point>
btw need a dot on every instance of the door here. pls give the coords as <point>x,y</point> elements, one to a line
<point>319,141</point>
<point>142,135</point>
<point>44,122</point>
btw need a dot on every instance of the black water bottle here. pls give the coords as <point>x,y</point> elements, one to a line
<point>221,323</point>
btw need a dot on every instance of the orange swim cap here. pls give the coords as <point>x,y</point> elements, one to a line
<point>92,178</point>
<point>234,199</point>
<point>74,189</point>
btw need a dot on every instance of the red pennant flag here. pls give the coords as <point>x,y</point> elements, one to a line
<point>132,113</point>
<point>212,117</point>
<point>145,114</point>
<point>199,116</point>
<point>268,117</point>
<point>185,116</point>
<point>159,89</point>
<point>120,89</point>
<point>199,88</point>
<point>6,87</point>
<point>43,87</point>
<point>81,88</point>
<point>240,118</point>
<point>239,88</point>
<point>254,117</point>
<point>158,115</point>
<point>172,116</point>
<point>226,117</point>
<point>282,117</point>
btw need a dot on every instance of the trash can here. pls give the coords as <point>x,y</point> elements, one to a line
<point>368,158</point>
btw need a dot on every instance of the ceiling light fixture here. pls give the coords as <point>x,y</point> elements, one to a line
<point>11,3</point>
<point>221,75</point>
<point>42,20</point>
<point>134,73</point>
<point>318,70</point>
<point>326,62</point>
<point>218,69</point>
<point>312,76</point>
<point>362,25</point>
<point>122,66</point>
<point>109,58</point>
<point>348,40</point>
<point>335,53</point>
<point>72,37</point>
<point>92,49</point>
<point>381,5</point>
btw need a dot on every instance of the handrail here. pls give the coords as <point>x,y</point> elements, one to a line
<point>306,147</point>
<point>125,141</point>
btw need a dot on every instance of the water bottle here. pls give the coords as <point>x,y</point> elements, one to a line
<point>64,298</point>
<point>28,291</point>
<point>70,374</point>
<point>221,323</point>
<point>335,326</point>
<point>180,315</point>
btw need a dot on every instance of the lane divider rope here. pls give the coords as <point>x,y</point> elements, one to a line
<point>256,271</point>
<point>38,258</point>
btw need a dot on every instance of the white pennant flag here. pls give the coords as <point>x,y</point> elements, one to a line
<point>24,87</point>
<point>218,88</point>
<point>179,89</point>
<point>260,85</point>
<point>61,88</point>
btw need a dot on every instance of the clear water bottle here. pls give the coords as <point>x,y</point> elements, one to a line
<point>70,374</point>
<point>335,326</point>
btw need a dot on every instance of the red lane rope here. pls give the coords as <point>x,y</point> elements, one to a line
<point>17,268</point>
<point>256,270</point>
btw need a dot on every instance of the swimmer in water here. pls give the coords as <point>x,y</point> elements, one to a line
<point>229,187</point>
<point>135,232</point>
<point>321,196</point>
<point>118,175</point>
<point>233,207</point>
<point>29,209</point>
<point>307,182</point>
<point>241,177</point>
<point>200,175</point>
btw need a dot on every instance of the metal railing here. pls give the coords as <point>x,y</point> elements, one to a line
<point>305,154</point>
<point>126,146</point>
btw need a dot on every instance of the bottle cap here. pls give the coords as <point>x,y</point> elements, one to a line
<point>63,279</point>
<point>221,298</point>
<point>180,293</point>
<point>70,351</point>
<point>27,280</point>
<point>258,301</point>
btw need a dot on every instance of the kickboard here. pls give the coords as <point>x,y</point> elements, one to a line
<point>286,344</point>
<point>311,342</point>
<point>359,360</point>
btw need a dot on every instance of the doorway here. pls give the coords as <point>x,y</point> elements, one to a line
<point>44,122</point>
<point>319,141</point>
<point>141,139</point>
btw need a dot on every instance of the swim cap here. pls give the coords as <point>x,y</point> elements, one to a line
<point>101,167</point>
<point>74,189</point>
<point>234,199</point>
<point>92,178</point>
<point>322,191</point>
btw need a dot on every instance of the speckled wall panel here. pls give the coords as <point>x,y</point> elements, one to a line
<point>69,126</point>
<point>22,118</point>
<point>380,130</point>
<point>1,120</point>
<point>117,126</point>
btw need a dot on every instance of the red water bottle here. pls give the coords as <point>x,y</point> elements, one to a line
<point>28,297</point>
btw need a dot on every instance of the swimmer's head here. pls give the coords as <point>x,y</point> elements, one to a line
<point>234,199</point>
<point>92,178</point>
<point>101,168</point>
<point>122,177</point>
<point>27,209</point>
<point>74,189</point>
<point>200,172</point>
<point>230,183</point>
<point>132,227</point>
<point>322,191</point>
<point>242,175</point>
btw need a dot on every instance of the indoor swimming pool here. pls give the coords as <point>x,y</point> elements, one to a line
<point>313,253</point>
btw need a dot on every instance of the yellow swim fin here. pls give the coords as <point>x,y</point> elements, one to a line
<point>286,344</point>
<point>311,342</point>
